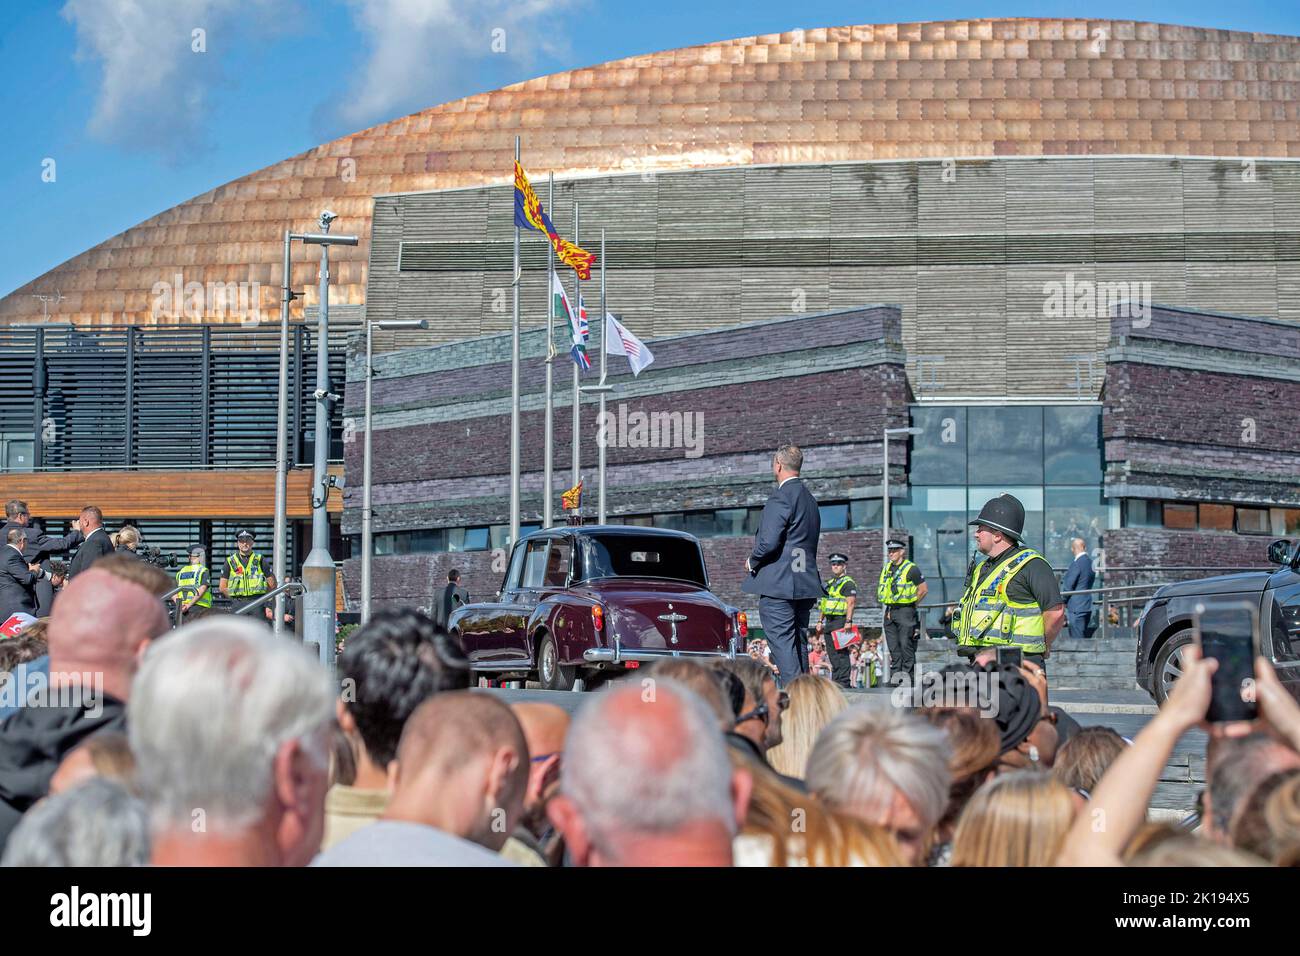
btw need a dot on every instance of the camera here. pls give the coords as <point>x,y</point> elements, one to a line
<point>158,558</point>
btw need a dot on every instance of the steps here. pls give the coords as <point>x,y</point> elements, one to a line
<point>1074,665</point>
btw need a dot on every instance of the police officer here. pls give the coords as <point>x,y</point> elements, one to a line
<point>245,577</point>
<point>196,585</point>
<point>901,588</point>
<point>836,611</point>
<point>1011,599</point>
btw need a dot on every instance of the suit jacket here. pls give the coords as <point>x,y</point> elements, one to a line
<point>452,597</point>
<point>784,559</point>
<point>41,545</point>
<point>1079,576</point>
<point>92,549</point>
<point>17,584</point>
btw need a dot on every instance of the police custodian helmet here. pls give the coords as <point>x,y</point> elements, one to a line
<point>1004,513</point>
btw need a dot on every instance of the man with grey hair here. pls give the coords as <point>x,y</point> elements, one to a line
<point>19,577</point>
<point>782,568</point>
<point>38,549</point>
<point>1078,576</point>
<point>886,767</point>
<point>230,727</point>
<point>648,781</point>
<point>1235,767</point>
<point>97,823</point>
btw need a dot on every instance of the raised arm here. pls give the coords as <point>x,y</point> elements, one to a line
<point>1119,804</point>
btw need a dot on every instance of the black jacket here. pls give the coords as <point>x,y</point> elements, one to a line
<point>41,545</point>
<point>92,549</point>
<point>32,744</point>
<point>17,584</point>
<point>744,745</point>
<point>784,559</point>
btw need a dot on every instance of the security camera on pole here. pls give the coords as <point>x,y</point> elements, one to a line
<point>318,570</point>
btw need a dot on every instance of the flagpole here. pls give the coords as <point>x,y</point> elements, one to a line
<point>548,437</point>
<point>514,393</point>
<point>577,323</point>
<point>600,505</point>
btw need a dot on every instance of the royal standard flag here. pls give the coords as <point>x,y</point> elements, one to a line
<point>571,500</point>
<point>577,341</point>
<point>529,214</point>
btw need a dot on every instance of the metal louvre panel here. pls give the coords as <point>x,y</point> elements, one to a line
<point>17,380</point>
<point>86,395</point>
<point>168,409</point>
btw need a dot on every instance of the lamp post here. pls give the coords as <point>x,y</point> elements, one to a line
<point>366,547</point>
<point>318,570</point>
<point>884,541</point>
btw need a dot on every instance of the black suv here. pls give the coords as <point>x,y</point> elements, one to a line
<point>1165,625</point>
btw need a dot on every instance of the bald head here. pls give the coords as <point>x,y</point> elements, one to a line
<point>544,726</point>
<point>1078,546</point>
<point>462,767</point>
<point>102,623</point>
<point>647,776</point>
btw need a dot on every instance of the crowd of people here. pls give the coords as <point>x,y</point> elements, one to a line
<point>220,744</point>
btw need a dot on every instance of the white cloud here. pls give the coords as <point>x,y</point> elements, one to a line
<point>418,49</point>
<point>155,84</point>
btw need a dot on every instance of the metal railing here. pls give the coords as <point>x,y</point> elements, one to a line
<point>289,588</point>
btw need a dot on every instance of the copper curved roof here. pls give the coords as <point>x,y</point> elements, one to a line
<point>1029,87</point>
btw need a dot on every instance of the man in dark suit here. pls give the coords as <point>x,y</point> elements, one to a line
<point>97,543</point>
<point>1078,576</point>
<point>18,577</point>
<point>782,570</point>
<point>452,597</point>
<point>39,548</point>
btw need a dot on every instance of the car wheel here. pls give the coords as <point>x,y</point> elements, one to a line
<point>550,673</point>
<point>1168,666</point>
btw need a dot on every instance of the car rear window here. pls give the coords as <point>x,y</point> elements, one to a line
<point>648,556</point>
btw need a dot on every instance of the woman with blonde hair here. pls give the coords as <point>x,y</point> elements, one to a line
<point>127,540</point>
<point>784,827</point>
<point>814,702</point>
<point>1016,819</point>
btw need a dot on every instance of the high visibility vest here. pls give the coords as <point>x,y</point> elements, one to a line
<point>894,588</point>
<point>988,617</point>
<point>835,603</point>
<point>191,579</point>
<point>245,580</point>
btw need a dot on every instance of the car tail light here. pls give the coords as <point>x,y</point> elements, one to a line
<point>632,665</point>
<point>598,617</point>
<point>742,623</point>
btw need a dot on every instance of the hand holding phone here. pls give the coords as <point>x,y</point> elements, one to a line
<point>1229,634</point>
<point>1014,656</point>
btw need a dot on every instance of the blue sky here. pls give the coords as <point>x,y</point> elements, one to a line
<point>137,120</point>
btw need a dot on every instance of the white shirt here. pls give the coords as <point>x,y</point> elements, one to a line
<point>782,484</point>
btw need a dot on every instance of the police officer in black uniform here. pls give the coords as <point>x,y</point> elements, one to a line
<point>902,587</point>
<point>837,611</point>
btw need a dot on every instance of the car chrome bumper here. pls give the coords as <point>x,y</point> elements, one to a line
<point>617,654</point>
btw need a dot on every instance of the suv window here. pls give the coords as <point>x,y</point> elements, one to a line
<point>512,573</point>
<point>1286,625</point>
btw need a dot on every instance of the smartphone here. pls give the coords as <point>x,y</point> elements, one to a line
<point>1229,633</point>
<point>1014,656</point>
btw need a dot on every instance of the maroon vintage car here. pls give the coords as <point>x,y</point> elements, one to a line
<point>590,602</point>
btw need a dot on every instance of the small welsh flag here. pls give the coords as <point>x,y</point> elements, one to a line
<point>577,330</point>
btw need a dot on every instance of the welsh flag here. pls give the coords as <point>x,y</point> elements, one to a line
<point>577,323</point>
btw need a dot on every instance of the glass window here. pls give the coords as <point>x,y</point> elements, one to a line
<point>935,519</point>
<point>385,544</point>
<point>674,522</point>
<point>476,539</point>
<point>939,454</point>
<point>699,523</point>
<point>866,513</point>
<point>1141,513</point>
<point>1253,521</point>
<point>1286,624</point>
<point>1072,444</point>
<point>1285,521</point>
<point>1005,444</point>
<point>641,521</point>
<point>1072,513</point>
<point>557,562</point>
<point>535,564</point>
<point>428,540</point>
<point>731,521</point>
<point>648,556</point>
<point>512,574</point>
<point>834,517</point>
<point>1180,517</point>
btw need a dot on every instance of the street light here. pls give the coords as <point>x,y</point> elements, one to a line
<point>365,468</point>
<point>884,541</point>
